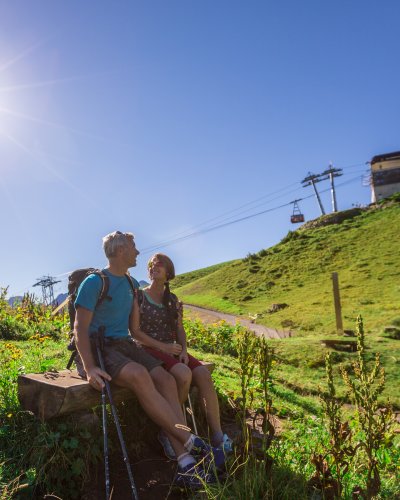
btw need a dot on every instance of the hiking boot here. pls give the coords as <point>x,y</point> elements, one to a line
<point>226,444</point>
<point>193,476</point>
<point>208,454</point>
<point>199,448</point>
<point>169,452</point>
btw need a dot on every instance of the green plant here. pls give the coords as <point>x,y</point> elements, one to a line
<point>339,449</point>
<point>246,345</point>
<point>375,423</point>
<point>55,459</point>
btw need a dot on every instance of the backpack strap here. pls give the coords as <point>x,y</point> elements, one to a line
<point>140,298</point>
<point>131,283</point>
<point>105,286</point>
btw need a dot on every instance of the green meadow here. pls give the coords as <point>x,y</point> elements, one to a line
<point>363,248</point>
<point>318,423</point>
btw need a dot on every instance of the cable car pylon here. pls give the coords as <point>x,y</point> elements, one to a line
<point>296,216</point>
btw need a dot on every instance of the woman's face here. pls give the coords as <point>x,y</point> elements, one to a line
<point>157,270</point>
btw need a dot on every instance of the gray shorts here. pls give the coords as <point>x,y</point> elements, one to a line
<point>119,352</point>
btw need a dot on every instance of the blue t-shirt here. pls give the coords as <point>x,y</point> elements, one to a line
<point>112,314</point>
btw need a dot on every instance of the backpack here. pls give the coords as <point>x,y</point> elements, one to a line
<point>74,281</point>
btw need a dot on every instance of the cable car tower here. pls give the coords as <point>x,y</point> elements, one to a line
<point>311,180</point>
<point>47,283</point>
<point>296,216</point>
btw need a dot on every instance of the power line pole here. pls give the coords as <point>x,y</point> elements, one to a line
<point>47,283</point>
<point>311,180</point>
<point>332,173</point>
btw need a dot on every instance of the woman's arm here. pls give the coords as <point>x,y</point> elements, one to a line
<point>147,340</point>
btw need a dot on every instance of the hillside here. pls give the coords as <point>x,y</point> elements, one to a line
<point>363,248</point>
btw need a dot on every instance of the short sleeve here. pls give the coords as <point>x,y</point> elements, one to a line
<point>136,285</point>
<point>89,292</point>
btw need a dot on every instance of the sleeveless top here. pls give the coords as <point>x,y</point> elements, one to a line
<point>154,318</point>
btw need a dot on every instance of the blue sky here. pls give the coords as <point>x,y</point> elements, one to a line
<point>154,117</point>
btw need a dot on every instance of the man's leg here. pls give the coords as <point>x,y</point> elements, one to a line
<point>136,378</point>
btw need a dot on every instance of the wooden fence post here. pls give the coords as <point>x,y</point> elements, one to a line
<point>338,307</point>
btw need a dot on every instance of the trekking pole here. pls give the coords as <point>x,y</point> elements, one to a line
<point>105,428</point>
<point>192,414</point>
<point>105,442</point>
<point>99,337</point>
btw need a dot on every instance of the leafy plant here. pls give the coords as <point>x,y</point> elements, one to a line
<point>375,423</point>
<point>339,450</point>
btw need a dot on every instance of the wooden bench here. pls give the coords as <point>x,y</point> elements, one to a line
<point>52,394</point>
<point>341,345</point>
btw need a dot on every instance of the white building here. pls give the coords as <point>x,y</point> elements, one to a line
<point>385,175</point>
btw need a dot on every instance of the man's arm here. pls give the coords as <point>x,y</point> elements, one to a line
<point>94,374</point>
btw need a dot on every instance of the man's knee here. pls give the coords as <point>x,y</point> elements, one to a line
<point>182,374</point>
<point>133,375</point>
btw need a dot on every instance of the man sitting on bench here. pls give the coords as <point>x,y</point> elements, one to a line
<point>127,364</point>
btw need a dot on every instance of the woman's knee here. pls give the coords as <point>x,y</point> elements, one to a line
<point>162,379</point>
<point>201,375</point>
<point>182,374</point>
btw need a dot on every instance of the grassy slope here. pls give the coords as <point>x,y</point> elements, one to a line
<point>364,251</point>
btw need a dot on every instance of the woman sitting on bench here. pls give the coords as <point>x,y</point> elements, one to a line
<point>157,324</point>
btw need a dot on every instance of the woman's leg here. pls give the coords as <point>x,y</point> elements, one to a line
<point>209,400</point>
<point>166,385</point>
<point>183,377</point>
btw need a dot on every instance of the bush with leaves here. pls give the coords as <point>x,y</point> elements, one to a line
<point>375,423</point>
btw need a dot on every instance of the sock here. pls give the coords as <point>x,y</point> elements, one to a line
<point>185,459</point>
<point>189,443</point>
<point>217,438</point>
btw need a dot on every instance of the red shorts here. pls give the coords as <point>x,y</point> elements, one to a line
<point>170,361</point>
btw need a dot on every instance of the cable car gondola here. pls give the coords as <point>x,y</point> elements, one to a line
<point>296,216</point>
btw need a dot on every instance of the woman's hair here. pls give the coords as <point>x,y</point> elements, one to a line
<point>115,240</point>
<point>169,301</point>
<point>168,264</point>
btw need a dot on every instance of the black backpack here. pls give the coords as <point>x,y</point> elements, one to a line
<point>74,281</point>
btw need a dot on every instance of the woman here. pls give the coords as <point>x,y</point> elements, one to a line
<point>156,323</point>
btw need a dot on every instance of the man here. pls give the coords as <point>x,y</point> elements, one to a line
<point>127,364</point>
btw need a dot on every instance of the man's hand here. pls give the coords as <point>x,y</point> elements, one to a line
<point>172,349</point>
<point>95,377</point>
<point>183,357</point>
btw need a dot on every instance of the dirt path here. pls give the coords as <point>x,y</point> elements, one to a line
<point>209,316</point>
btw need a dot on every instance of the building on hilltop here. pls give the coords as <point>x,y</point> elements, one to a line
<point>385,175</point>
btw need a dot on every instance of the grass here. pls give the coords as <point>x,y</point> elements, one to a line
<point>363,249</point>
<point>297,271</point>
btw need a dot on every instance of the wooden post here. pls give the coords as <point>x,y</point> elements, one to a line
<point>338,307</point>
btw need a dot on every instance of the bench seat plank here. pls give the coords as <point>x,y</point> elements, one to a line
<point>52,394</point>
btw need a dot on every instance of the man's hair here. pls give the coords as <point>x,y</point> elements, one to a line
<point>115,240</point>
<point>169,265</point>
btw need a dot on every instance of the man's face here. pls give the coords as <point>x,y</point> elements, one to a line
<point>130,253</point>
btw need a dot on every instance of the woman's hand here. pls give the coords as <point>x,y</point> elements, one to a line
<point>172,349</point>
<point>183,357</point>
